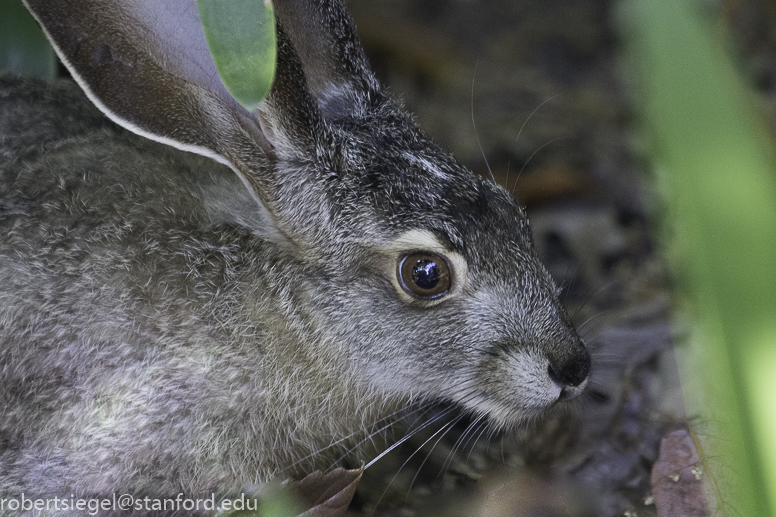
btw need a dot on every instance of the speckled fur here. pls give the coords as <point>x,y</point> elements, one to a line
<point>163,331</point>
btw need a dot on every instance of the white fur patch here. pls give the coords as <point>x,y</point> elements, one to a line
<point>524,389</point>
<point>529,374</point>
<point>426,164</point>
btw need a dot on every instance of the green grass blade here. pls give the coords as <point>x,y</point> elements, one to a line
<point>241,37</point>
<point>717,161</point>
<point>24,49</point>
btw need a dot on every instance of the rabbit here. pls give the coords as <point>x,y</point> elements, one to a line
<point>196,298</point>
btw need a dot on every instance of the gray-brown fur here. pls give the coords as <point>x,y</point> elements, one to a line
<point>170,324</point>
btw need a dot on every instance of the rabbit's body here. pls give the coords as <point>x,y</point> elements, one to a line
<point>168,324</point>
<point>142,330</point>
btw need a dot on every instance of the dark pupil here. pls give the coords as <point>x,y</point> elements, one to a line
<point>425,274</point>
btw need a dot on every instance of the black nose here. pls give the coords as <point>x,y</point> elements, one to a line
<point>571,371</point>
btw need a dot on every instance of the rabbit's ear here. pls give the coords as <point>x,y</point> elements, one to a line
<point>324,37</point>
<point>146,64</point>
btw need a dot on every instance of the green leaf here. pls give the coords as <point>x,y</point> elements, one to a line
<point>717,160</point>
<point>24,49</point>
<point>241,37</point>
<point>274,500</point>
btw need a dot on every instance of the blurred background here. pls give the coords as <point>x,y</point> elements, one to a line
<point>541,96</point>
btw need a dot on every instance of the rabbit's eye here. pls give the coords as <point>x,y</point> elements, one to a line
<point>424,275</point>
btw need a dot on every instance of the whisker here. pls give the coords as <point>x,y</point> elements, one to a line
<point>520,131</point>
<point>487,444</point>
<point>534,154</point>
<point>545,101</point>
<point>351,435</point>
<point>449,461</point>
<point>410,435</point>
<point>566,289</point>
<point>484,427</point>
<point>451,424</point>
<point>409,458</point>
<point>474,126</point>
<point>591,318</point>
<point>603,287</point>
<point>370,436</point>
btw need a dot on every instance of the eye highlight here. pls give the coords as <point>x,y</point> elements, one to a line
<point>424,275</point>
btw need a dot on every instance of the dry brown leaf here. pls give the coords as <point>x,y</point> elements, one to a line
<point>677,486</point>
<point>329,494</point>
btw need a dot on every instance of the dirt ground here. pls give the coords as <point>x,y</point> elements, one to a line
<point>536,94</point>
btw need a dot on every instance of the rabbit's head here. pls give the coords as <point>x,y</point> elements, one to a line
<point>421,276</point>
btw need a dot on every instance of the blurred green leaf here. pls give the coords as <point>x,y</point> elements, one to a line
<point>241,37</point>
<point>715,157</point>
<point>24,49</point>
<point>275,500</point>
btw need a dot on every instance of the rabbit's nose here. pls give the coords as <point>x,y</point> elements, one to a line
<point>571,370</point>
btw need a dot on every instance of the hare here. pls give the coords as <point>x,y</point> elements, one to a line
<point>194,297</point>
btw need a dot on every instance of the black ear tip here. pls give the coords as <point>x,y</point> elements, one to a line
<point>297,113</point>
<point>325,38</point>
